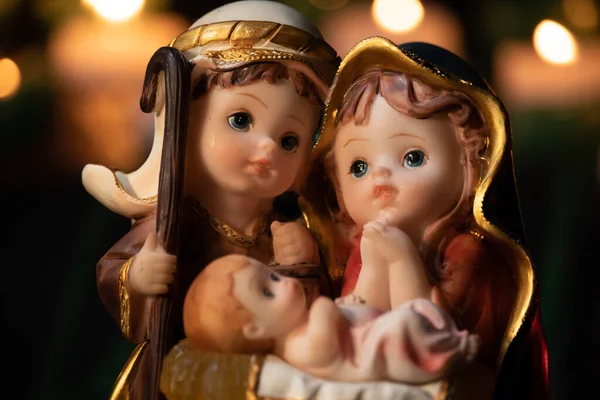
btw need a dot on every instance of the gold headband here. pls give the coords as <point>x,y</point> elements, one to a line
<point>242,36</point>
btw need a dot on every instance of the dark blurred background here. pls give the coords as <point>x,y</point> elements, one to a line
<point>71,73</point>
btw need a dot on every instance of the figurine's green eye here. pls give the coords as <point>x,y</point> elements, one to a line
<point>240,121</point>
<point>268,293</point>
<point>289,143</point>
<point>414,159</point>
<point>359,168</point>
<point>275,277</point>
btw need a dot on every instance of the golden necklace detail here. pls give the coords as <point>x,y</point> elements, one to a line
<point>228,233</point>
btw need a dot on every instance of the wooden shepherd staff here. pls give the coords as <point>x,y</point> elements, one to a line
<point>177,77</point>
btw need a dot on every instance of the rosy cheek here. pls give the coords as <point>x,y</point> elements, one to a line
<point>228,148</point>
<point>292,172</point>
<point>423,197</point>
<point>418,197</point>
<point>345,189</point>
<point>287,168</point>
<point>285,164</point>
<point>356,195</point>
<point>361,188</point>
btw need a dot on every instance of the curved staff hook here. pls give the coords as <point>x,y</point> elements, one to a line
<point>177,70</point>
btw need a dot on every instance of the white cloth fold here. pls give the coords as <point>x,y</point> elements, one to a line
<point>279,380</point>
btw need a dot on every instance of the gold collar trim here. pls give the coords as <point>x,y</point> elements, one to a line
<point>228,233</point>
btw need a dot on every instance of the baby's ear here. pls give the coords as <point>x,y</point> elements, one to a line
<point>253,331</point>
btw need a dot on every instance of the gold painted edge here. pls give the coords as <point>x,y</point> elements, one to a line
<point>256,363</point>
<point>476,234</point>
<point>124,303</point>
<point>130,197</point>
<point>227,57</point>
<point>389,57</point>
<point>304,210</point>
<point>121,388</point>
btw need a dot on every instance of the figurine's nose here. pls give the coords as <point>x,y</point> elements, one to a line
<point>266,147</point>
<point>381,172</point>
<point>382,167</point>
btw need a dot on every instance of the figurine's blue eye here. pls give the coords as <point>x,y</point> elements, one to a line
<point>289,143</point>
<point>359,168</point>
<point>268,293</point>
<point>414,159</point>
<point>240,121</point>
<point>275,277</point>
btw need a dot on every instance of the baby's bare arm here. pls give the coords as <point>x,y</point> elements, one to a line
<point>324,322</point>
<point>319,345</point>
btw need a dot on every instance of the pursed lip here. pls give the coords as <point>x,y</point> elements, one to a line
<point>260,165</point>
<point>384,191</point>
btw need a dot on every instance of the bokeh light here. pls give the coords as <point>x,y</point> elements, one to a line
<point>554,43</point>
<point>398,15</point>
<point>116,10</point>
<point>10,78</point>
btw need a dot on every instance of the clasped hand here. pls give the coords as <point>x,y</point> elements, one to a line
<point>384,239</point>
<point>152,269</point>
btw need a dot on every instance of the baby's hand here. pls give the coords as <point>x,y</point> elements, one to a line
<point>389,216</point>
<point>386,218</point>
<point>372,230</point>
<point>390,242</point>
<point>151,269</point>
<point>292,243</point>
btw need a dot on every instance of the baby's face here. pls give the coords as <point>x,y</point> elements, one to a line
<point>277,303</point>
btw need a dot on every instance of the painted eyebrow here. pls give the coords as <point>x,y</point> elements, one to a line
<point>255,98</point>
<point>297,119</point>
<point>406,134</point>
<point>352,140</point>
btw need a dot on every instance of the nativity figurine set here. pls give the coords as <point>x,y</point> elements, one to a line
<point>312,227</point>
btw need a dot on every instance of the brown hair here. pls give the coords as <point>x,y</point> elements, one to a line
<point>419,100</point>
<point>267,71</point>
<point>213,317</point>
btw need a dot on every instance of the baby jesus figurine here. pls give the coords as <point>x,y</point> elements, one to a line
<point>238,305</point>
